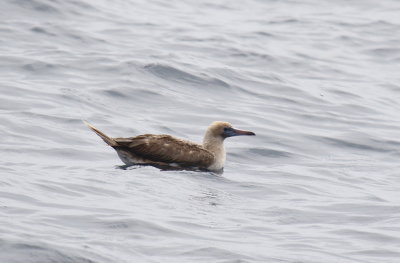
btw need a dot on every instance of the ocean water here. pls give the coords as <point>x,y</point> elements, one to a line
<point>317,81</point>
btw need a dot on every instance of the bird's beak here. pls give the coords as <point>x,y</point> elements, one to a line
<point>241,132</point>
<point>229,132</point>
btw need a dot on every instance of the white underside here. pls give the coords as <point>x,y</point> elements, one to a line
<point>219,161</point>
<point>128,159</point>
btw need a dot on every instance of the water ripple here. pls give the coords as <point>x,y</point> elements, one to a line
<point>318,85</point>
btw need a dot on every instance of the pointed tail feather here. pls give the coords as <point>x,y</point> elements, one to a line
<point>108,140</point>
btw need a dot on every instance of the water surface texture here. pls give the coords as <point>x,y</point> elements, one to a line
<point>317,81</point>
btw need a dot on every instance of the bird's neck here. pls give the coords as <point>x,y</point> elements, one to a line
<point>216,146</point>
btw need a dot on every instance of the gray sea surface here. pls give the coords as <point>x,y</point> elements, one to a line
<point>317,81</point>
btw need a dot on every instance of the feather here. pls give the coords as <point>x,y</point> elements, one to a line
<point>166,150</point>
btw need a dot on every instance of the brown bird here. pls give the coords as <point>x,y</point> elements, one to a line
<point>168,151</point>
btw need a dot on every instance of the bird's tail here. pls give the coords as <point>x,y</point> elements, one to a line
<point>108,140</point>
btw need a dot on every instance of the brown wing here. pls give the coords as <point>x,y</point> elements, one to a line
<point>167,149</point>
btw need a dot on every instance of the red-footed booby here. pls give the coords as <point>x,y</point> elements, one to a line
<point>168,151</point>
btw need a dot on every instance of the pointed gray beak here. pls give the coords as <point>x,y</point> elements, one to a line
<point>241,132</point>
<point>229,132</point>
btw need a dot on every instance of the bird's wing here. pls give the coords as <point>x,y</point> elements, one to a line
<point>167,149</point>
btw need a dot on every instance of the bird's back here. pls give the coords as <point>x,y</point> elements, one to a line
<point>164,149</point>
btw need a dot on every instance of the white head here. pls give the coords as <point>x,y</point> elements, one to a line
<point>214,138</point>
<point>224,130</point>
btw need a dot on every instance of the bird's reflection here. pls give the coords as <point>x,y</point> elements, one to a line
<point>169,168</point>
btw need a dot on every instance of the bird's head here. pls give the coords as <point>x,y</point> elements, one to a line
<point>225,130</point>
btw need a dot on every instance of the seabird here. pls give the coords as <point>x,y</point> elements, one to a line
<point>168,151</point>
